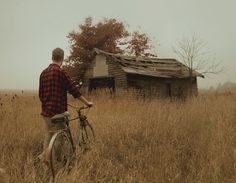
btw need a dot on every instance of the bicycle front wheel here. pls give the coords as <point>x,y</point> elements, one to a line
<point>87,136</point>
<point>61,153</point>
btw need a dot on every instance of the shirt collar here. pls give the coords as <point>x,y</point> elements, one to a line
<point>54,65</point>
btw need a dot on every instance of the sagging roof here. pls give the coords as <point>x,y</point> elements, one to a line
<point>156,67</point>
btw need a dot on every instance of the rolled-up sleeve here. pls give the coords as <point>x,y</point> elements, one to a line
<point>70,87</point>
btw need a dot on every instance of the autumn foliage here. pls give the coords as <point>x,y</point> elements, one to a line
<point>139,44</point>
<point>109,35</point>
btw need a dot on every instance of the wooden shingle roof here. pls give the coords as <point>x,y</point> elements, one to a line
<point>156,67</point>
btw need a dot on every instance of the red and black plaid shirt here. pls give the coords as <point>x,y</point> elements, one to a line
<point>53,87</point>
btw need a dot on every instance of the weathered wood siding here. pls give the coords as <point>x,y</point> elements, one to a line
<point>181,87</point>
<point>119,75</point>
<point>102,66</point>
<point>163,87</point>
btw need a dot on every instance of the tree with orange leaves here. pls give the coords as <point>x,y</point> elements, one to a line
<point>109,35</point>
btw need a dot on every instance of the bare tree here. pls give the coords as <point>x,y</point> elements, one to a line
<point>192,53</point>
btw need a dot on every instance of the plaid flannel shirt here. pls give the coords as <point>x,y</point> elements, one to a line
<point>53,87</point>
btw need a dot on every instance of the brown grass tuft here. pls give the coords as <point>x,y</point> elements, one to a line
<point>138,140</point>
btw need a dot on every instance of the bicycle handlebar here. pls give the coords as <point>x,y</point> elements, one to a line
<point>78,109</point>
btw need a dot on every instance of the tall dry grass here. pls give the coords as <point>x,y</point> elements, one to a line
<point>138,140</point>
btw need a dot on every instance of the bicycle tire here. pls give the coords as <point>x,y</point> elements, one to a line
<point>87,136</point>
<point>60,153</point>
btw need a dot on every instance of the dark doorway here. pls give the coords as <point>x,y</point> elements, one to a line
<point>102,83</point>
<point>168,90</point>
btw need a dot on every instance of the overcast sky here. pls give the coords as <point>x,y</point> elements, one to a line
<point>30,29</point>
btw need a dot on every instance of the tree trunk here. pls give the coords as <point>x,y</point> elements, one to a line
<point>191,83</point>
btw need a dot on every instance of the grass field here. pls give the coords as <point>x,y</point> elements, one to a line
<point>137,140</point>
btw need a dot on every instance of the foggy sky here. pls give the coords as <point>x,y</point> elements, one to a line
<point>30,29</point>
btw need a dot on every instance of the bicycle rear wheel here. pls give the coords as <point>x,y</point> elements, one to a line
<point>87,136</point>
<point>61,153</point>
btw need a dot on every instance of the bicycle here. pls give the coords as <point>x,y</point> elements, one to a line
<point>62,146</point>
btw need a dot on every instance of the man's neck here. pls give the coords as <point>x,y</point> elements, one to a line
<point>57,63</point>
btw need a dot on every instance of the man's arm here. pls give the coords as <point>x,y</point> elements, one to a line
<point>73,90</point>
<point>85,101</point>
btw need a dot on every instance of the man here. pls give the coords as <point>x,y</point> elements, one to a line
<point>53,87</point>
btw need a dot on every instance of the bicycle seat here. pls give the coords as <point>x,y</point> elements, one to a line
<point>67,114</point>
<point>60,117</point>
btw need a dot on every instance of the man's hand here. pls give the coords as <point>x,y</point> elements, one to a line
<point>85,101</point>
<point>89,104</point>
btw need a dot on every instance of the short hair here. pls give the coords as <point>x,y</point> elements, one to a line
<point>57,54</point>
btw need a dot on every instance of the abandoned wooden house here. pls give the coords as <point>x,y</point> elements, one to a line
<point>162,77</point>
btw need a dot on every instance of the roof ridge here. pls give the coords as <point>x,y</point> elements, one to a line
<point>97,50</point>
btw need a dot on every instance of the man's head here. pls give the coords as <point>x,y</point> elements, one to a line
<point>57,55</point>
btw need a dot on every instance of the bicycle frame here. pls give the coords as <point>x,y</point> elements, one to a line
<point>68,134</point>
<point>81,119</point>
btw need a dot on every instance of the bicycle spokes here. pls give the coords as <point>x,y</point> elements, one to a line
<point>61,153</point>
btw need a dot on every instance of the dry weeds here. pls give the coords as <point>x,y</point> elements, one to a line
<point>137,140</point>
